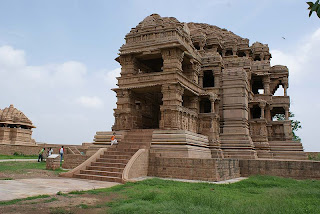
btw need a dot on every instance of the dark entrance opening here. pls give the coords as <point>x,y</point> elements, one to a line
<point>147,103</point>
<point>208,79</point>
<point>257,85</point>
<point>149,64</point>
<point>205,105</point>
<point>255,112</point>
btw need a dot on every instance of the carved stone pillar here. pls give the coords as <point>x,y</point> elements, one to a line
<point>212,99</point>
<point>286,109</point>
<point>285,87</point>
<point>201,79</point>
<point>266,84</point>
<point>247,53</point>
<point>172,101</point>
<point>234,51</point>
<point>223,53</point>
<point>123,113</point>
<point>172,59</point>
<point>196,67</point>
<point>262,105</point>
<point>128,65</point>
<point>194,104</point>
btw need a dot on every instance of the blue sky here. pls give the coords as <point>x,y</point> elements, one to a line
<point>58,56</point>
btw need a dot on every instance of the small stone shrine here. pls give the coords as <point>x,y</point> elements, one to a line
<point>15,127</point>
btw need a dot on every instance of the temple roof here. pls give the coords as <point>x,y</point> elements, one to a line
<point>11,115</point>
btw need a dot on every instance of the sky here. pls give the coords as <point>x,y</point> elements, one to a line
<point>57,57</point>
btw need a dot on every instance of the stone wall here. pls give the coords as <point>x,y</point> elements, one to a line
<point>7,149</point>
<point>282,168</point>
<point>72,161</point>
<point>194,169</point>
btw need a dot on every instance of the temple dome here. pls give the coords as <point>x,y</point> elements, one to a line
<point>11,115</point>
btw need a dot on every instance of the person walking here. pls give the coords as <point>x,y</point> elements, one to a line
<point>41,154</point>
<point>61,151</point>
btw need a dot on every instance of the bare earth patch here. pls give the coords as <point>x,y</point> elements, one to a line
<point>85,203</point>
<point>29,173</point>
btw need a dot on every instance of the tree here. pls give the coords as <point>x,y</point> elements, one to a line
<point>295,124</point>
<point>314,7</point>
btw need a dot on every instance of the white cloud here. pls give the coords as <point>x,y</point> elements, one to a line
<point>90,102</point>
<point>65,101</point>
<point>110,76</point>
<point>11,59</point>
<point>304,75</point>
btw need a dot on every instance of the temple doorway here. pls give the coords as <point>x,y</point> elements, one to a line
<point>147,102</point>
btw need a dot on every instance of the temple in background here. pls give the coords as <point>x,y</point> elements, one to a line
<point>15,127</point>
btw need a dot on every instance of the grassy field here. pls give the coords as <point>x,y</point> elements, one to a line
<point>255,195</point>
<point>18,157</point>
<point>22,167</point>
<point>258,194</point>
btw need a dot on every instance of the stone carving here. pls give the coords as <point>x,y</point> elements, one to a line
<point>203,79</point>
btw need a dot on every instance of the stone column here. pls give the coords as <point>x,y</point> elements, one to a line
<point>266,85</point>
<point>223,53</point>
<point>262,106</point>
<point>196,68</point>
<point>123,113</point>
<point>235,89</point>
<point>194,104</point>
<point>201,79</point>
<point>247,54</point>
<point>172,59</point>
<point>128,64</point>
<point>172,101</point>
<point>234,51</point>
<point>212,99</point>
<point>286,109</point>
<point>285,87</point>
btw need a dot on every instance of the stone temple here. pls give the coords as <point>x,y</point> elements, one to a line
<point>195,101</point>
<point>15,127</point>
<point>203,91</point>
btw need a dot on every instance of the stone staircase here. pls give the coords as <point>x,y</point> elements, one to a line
<point>291,150</point>
<point>111,164</point>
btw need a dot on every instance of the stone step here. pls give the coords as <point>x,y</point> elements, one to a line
<point>136,147</point>
<point>110,160</point>
<point>288,153</point>
<point>98,177</point>
<point>118,153</point>
<point>102,173</point>
<point>116,149</point>
<point>285,148</point>
<point>117,156</point>
<point>108,169</point>
<point>103,164</point>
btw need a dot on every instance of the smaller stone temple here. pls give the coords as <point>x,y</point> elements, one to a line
<point>15,127</point>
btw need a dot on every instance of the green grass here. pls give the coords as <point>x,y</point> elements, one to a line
<point>314,158</point>
<point>2,203</point>
<point>22,167</point>
<point>18,157</point>
<point>258,194</point>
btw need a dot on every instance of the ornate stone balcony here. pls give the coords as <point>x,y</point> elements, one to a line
<point>280,100</point>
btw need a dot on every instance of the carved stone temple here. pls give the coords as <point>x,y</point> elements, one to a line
<point>15,127</point>
<point>201,91</point>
